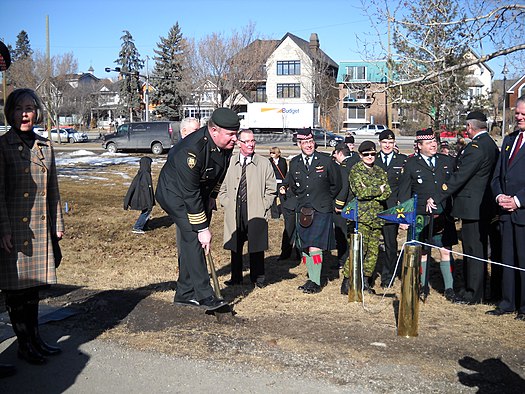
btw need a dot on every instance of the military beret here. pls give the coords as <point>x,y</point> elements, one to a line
<point>349,139</point>
<point>477,115</point>
<point>387,135</point>
<point>225,118</point>
<point>304,134</point>
<point>367,146</point>
<point>425,134</point>
<point>445,144</point>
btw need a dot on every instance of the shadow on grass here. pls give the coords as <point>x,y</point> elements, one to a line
<point>490,376</point>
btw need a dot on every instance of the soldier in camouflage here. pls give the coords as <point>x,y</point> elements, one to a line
<point>369,184</point>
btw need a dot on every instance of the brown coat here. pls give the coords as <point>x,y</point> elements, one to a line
<point>30,211</point>
<point>261,187</point>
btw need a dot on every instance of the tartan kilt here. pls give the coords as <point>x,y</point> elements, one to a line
<point>320,234</point>
<point>443,234</point>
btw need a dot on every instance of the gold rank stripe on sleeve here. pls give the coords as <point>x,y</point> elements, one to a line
<point>197,218</point>
<point>217,188</point>
<point>339,203</point>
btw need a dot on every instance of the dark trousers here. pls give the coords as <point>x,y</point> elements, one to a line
<point>474,234</point>
<point>288,233</point>
<point>390,237</point>
<point>341,238</point>
<point>513,254</point>
<point>194,279</point>
<point>256,261</point>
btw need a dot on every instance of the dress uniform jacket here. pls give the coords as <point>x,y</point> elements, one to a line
<point>394,170</point>
<point>317,187</point>
<point>470,182</point>
<point>418,178</point>
<point>30,211</point>
<point>191,176</point>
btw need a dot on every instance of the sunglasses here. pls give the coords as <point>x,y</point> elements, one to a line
<point>366,154</point>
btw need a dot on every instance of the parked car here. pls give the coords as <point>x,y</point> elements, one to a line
<point>319,137</point>
<point>68,134</point>
<point>141,136</point>
<point>368,129</point>
<point>40,131</point>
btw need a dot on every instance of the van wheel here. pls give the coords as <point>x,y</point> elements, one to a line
<point>112,148</point>
<point>157,148</point>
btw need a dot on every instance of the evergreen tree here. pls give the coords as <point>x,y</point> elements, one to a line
<point>426,44</point>
<point>130,66</point>
<point>23,47</point>
<point>168,74</point>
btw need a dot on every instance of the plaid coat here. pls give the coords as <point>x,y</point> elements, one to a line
<point>30,211</point>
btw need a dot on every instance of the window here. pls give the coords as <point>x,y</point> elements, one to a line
<point>356,113</point>
<point>288,90</point>
<point>289,67</point>
<point>260,94</point>
<point>355,73</point>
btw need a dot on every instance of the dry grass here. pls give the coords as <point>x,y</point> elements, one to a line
<point>274,326</point>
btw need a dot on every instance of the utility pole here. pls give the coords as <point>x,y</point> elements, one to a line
<point>504,123</point>
<point>146,94</point>
<point>389,77</point>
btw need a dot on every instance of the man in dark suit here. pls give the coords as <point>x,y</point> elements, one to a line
<point>508,187</point>
<point>473,202</point>
<point>392,163</point>
<point>316,182</point>
<point>188,185</point>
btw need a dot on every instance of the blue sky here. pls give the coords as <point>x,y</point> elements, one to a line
<point>92,29</point>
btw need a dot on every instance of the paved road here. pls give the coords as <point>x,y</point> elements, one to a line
<point>97,366</point>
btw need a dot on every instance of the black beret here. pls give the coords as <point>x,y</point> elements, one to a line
<point>445,144</point>
<point>340,146</point>
<point>225,118</point>
<point>425,134</point>
<point>367,146</point>
<point>477,115</point>
<point>349,139</point>
<point>304,134</point>
<point>387,135</point>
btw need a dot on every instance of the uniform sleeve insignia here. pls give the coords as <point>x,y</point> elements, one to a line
<point>444,187</point>
<point>475,146</point>
<point>192,161</point>
<point>508,147</point>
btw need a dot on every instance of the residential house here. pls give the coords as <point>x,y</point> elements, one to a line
<point>362,94</point>
<point>479,83</point>
<point>202,102</point>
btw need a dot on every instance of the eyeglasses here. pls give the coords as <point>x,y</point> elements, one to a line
<point>366,154</point>
<point>272,153</point>
<point>248,142</point>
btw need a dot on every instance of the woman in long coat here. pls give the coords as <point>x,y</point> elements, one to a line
<point>31,221</point>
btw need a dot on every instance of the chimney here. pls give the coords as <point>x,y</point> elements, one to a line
<point>314,42</point>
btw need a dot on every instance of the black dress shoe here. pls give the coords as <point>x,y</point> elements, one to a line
<point>497,312</point>
<point>307,285</point>
<point>212,303</point>
<point>232,282</point>
<point>450,295</point>
<point>312,289</point>
<point>7,370</point>
<point>520,316</point>
<point>45,349</point>
<point>27,352</point>
<point>190,302</point>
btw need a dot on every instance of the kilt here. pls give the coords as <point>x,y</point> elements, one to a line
<point>320,234</point>
<point>443,233</point>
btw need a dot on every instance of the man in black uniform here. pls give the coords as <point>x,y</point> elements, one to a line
<point>392,163</point>
<point>423,175</point>
<point>473,202</point>
<point>188,185</point>
<point>342,155</point>
<point>316,182</point>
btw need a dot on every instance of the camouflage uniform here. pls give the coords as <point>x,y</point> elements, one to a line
<point>365,184</point>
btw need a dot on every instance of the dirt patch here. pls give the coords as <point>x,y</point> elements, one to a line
<point>123,285</point>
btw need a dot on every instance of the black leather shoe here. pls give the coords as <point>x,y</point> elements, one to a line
<point>450,295</point>
<point>345,286</point>
<point>7,370</point>
<point>497,312</point>
<point>312,289</point>
<point>284,256</point>
<point>520,316</point>
<point>27,352</point>
<point>307,285</point>
<point>212,303</point>
<point>190,302</point>
<point>232,282</point>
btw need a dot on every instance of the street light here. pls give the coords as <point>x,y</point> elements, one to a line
<point>503,126</point>
<point>135,74</point>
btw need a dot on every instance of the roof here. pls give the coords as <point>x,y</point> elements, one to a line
<point>305,46</point>
<point>516,84</point>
